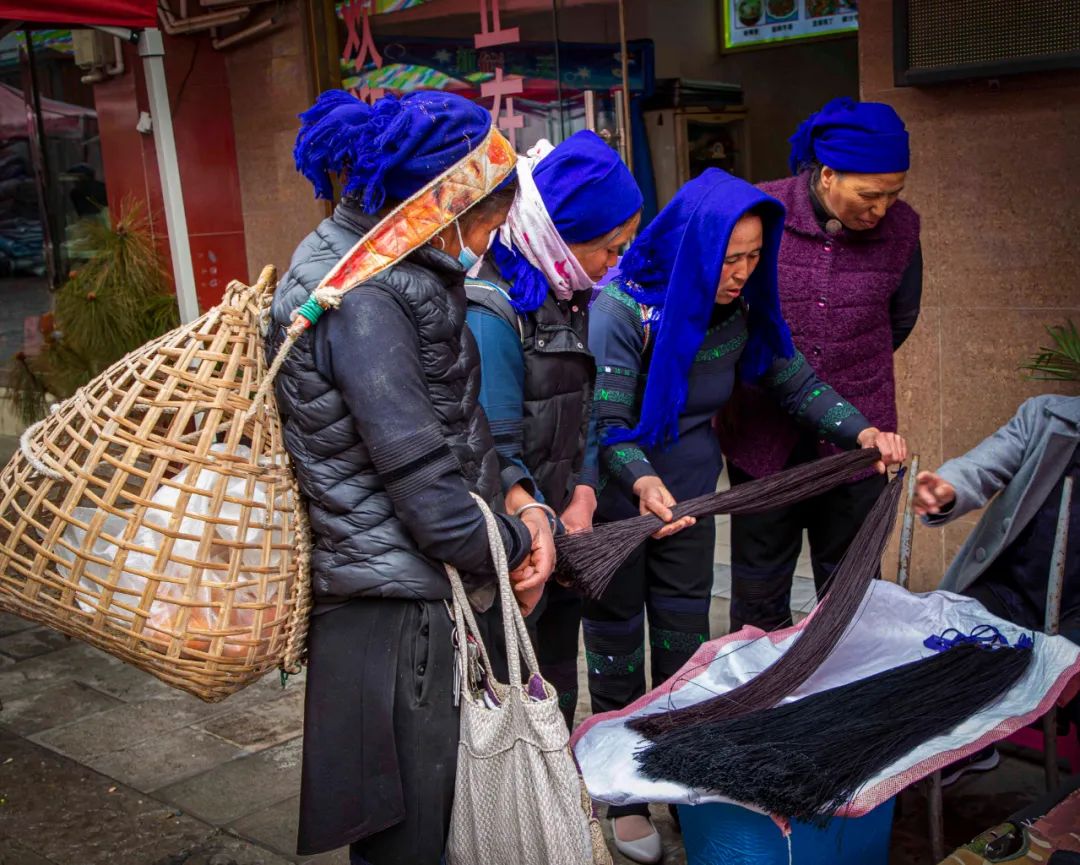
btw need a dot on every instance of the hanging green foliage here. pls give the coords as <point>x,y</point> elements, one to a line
<point>119,298</point>
<point>1061,361</point>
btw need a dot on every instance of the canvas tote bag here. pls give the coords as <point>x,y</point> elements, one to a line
<point>518,799</point>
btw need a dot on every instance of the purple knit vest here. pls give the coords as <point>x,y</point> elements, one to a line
<point>834,291</point>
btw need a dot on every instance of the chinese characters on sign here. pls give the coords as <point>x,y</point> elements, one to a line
<point>361,45</point>
<point>502,87</point>
<point>361,54</point>
<point>762,22</point>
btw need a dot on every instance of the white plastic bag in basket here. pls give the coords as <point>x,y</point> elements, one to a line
<point>209,537</point>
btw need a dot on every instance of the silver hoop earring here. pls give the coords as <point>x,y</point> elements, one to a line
<point>442,243</point>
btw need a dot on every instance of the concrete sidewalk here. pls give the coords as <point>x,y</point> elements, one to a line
<point>101,763</point>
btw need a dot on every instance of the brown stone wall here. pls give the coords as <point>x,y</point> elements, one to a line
<point>994,176</point>
<point>270,81</point>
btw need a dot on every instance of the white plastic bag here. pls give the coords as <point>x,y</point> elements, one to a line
<point>195,576</point>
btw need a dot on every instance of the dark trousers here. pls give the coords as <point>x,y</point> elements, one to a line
<point>554,626</point>
<point>669,580</point>
<point>766,546</point>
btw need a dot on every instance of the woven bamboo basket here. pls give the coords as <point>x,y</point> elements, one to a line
<point>150,516</point>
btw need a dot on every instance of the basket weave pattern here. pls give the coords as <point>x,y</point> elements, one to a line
<point>168,529</point>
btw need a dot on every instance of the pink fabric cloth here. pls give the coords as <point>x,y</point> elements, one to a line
<point>529,228</point>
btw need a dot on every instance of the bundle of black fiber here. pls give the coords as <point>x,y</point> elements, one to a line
<point>588,560</point>
<point>817,639</point>
<point>806,759</point>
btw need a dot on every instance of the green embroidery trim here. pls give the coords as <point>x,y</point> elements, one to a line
<point>788,372</point>
<point>615,665</point>
<point>568,699</point>
<point>835,416</point>
<point>813,395</point>
<point>622,457</point>
<point>626,300</point>
<point>623,397</point>
<point>718,351</point>
<point>676,641</point>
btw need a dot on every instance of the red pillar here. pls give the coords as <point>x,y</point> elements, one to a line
<point>206,150</point>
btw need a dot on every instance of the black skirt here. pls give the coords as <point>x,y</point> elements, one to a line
<point>380,730</point>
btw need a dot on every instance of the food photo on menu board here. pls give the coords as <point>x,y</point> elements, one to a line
<point>762,22</point>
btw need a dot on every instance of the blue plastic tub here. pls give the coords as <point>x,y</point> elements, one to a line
<point>729,835</point>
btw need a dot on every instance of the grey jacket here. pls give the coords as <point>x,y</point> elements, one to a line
<point>1024,460</point>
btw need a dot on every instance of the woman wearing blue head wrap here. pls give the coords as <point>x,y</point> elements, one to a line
<point>577,204</point>
<point>378,403</point>
<point>694,307</point>
<point>850,285</point>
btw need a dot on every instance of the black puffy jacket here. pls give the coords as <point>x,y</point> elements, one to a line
<point>381,418</point>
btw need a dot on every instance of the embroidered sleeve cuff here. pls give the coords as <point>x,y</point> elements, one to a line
<point>832,417</point>
<point>842,424</point>
<point>626,463</point>
<point>408,465</point>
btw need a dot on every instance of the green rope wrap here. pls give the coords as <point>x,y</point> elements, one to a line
<point>311,310</point>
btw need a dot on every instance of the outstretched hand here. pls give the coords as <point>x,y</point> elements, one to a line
<point>932,493</point>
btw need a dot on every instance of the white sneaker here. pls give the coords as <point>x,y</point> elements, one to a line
<point>981,761</point>
<point>648,850</point>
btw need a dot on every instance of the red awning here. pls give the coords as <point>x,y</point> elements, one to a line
<point>114,13</point>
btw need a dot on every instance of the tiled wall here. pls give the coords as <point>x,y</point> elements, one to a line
<point>269,81</point>
<point>994,176</point>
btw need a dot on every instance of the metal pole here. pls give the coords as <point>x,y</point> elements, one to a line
<point>558,71</point>
<point>152,49</point>
<point>907,529</point>
<point>590,110</point>
<point>1052,623</point>
<point>935,812</point>
<point>41,152</point>
<point>625,128</point>
<point>1057,561</point>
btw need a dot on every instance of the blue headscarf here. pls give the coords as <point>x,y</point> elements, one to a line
<point>862,137</point>
<point>587,191</point>
<point>674,266</point>
<point>391,148</point>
